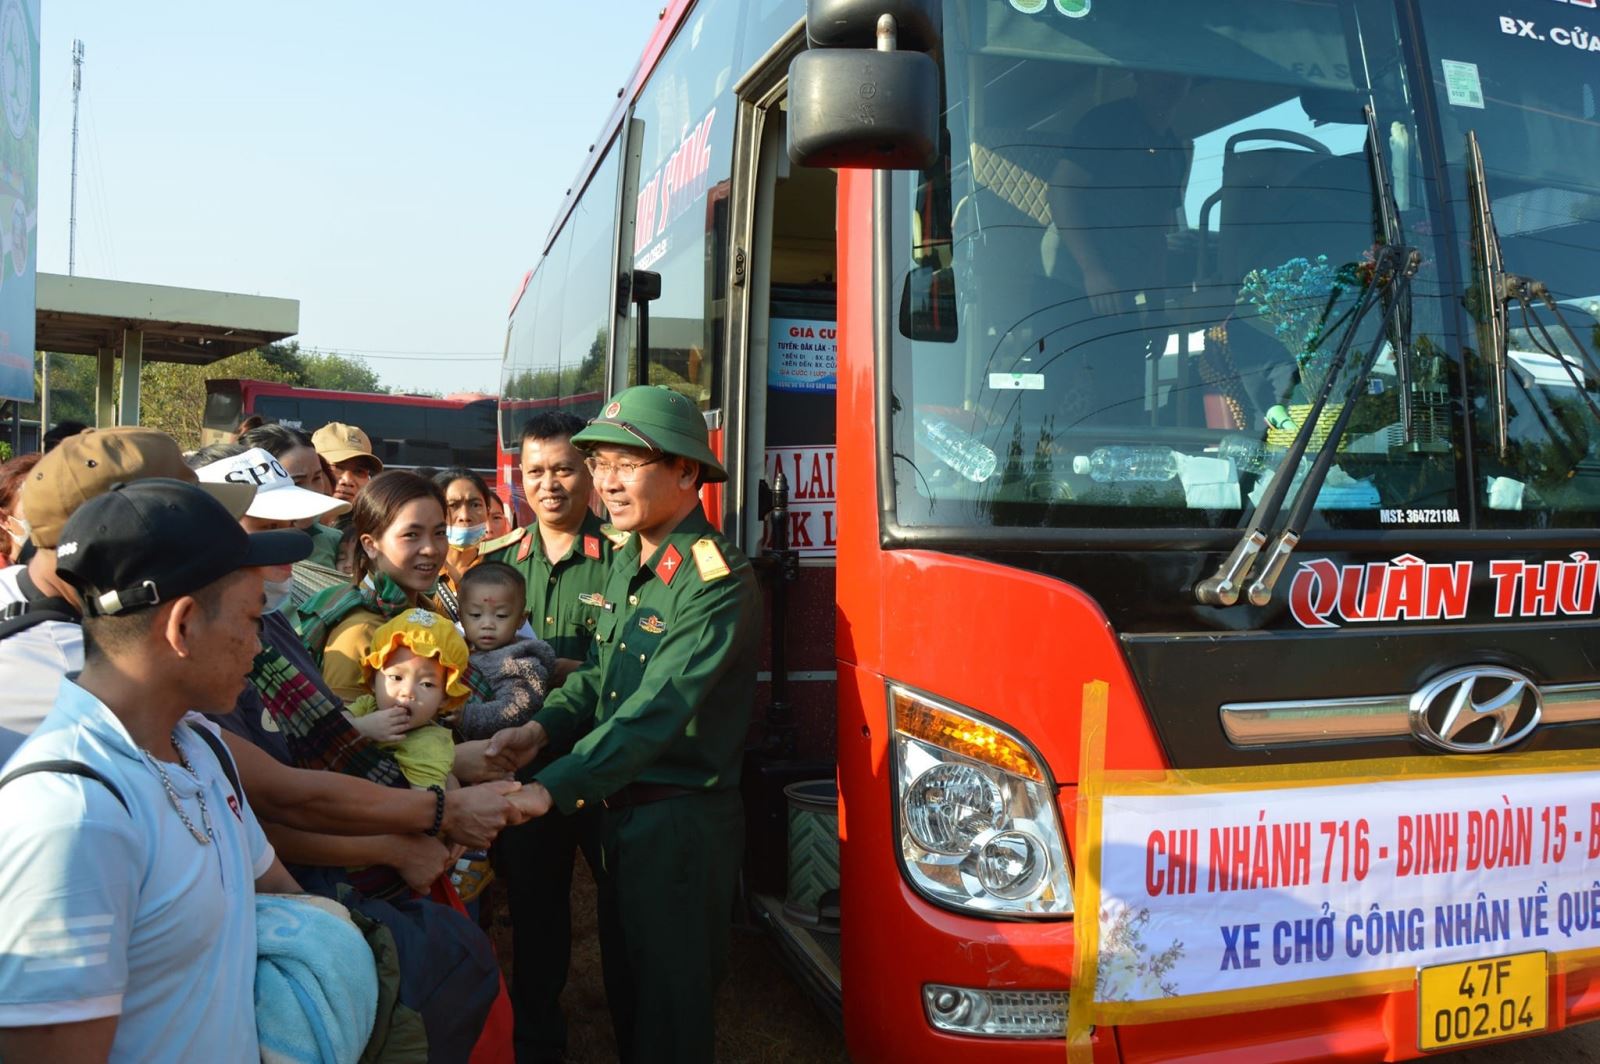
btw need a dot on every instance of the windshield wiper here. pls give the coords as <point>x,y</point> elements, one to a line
<point>1394,235</point>
<point>1500,288</point>
<point>1224,586</point>
<point>1399,282</point>
<point>1496,287</point>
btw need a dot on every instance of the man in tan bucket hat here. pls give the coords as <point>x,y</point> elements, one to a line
<point>348,450</point>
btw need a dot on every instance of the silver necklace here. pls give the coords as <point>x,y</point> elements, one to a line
<point>203,838</point>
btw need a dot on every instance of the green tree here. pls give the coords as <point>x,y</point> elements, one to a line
<point>173,397</point>
<point>342,373</point>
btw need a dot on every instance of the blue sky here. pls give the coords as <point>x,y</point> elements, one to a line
<point>394,167</point>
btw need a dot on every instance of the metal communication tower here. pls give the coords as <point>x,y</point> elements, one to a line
<point>72,230</point>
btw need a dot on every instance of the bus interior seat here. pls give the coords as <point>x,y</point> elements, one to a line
<point>1283,203</point>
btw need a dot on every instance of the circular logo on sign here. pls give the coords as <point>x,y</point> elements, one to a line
<point>16,68</point>
<point>1074,8</point>
<point>613,410</point>
<point>1029,7</point>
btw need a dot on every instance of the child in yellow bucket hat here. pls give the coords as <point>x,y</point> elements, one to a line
<point>415,668</point>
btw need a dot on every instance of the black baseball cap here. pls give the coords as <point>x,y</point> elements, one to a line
<point>154,540</point>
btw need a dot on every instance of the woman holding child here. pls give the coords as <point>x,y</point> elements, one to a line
<point>399,525</point>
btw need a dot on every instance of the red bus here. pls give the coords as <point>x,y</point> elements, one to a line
<point>407,431</point>
<point>1193,467</point>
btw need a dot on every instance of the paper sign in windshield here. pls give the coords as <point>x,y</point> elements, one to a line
<point>1462,85</point>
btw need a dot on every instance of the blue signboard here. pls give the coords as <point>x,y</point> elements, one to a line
<point>19,193</point>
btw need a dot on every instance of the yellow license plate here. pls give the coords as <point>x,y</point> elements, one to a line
<point>1478,1001</point>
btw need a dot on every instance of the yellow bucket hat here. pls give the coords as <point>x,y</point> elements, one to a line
<point>427,635</point>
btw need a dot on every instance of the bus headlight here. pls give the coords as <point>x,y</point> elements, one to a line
<point>978,825</point>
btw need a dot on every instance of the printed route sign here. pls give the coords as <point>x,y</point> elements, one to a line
<point>1243,889</point>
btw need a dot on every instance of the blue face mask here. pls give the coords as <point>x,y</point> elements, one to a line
<point>465,537</point>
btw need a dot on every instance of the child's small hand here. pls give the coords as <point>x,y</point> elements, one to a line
<point>384,725</point>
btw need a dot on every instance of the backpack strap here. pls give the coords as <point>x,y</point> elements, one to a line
<point>35,608</point>
<point>223,757</point>
<point>67,768</point>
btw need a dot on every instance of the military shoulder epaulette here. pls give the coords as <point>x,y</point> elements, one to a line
<point>616,535</point>
<point>489,546</point>
<point>709,560</point>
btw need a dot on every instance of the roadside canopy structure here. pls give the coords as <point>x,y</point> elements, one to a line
<point>141,323</point>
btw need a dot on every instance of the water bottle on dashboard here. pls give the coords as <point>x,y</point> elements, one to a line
<point>1123,465</point>
<point>956,448</point>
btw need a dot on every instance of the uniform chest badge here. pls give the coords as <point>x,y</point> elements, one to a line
<point>667,567</point>
<point>652,625</point>
<point>591,547</point>
<point>593,598</point>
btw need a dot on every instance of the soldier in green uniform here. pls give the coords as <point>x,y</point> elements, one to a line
<point>659,712</point>
<point>564,557</point>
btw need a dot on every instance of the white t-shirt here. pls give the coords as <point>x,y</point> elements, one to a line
<point>120,912</point>
<point>32,664</point>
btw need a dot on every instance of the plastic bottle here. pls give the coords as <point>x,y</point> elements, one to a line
<point>1122,465</point>
<point>1249,455</point>
<point>956,448</point>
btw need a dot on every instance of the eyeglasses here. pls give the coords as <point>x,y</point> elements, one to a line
<point>625,471</point>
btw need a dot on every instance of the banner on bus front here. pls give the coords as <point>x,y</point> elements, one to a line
<point>1230,890</point>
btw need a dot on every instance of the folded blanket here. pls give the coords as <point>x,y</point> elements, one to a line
<point>316,982</point>
<point>520,676</point>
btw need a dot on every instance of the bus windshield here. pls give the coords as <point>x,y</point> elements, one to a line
<point>1122,290</point>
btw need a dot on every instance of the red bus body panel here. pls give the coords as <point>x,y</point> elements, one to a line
<point>1018,647</point>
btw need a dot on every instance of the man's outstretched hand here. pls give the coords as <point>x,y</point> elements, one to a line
<point>510,749</point>
<point>533,800</point>
<point>473,816</point>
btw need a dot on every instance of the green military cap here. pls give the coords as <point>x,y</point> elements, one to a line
<point>657,418</point>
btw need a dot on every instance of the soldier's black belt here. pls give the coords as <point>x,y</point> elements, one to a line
<point>645,793</point>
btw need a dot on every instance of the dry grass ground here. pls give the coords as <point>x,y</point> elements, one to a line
<point>762,1015</point>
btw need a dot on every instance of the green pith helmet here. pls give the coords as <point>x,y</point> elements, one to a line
<point>657,418</point>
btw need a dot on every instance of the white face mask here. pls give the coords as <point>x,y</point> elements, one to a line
<point>17,528</point>
<point>277,592</point>
<point>465,537</point>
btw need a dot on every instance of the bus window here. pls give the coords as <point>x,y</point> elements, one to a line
<point>587,315</point>
<point>681,211</point>
<point>518,382</point>
<point>1150,263</point>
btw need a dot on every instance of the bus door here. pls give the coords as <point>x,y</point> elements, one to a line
<point>785,301</point>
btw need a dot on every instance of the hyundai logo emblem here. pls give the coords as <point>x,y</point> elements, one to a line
<point>1476,710</point>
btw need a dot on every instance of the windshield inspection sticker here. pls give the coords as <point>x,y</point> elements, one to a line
<point>1029,7</point>
<point>1461,84</point>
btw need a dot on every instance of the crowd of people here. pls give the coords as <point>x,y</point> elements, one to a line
<point>272,667</point>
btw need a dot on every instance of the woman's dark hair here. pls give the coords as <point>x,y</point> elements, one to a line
<point>213,452</point>
<point>447,477</point>
<point>254,421</point>
<point>277,440</point>
<point>380,502</point>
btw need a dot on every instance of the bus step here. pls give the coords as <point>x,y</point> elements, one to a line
<point>812,955</point>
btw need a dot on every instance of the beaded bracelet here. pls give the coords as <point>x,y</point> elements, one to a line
<point>438,809</point>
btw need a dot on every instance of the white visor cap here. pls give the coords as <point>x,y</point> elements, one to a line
<point>278,497</point>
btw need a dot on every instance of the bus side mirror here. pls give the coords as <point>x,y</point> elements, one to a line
<point>852,109</point>
<point>854,23</point>
<point>928,305</point>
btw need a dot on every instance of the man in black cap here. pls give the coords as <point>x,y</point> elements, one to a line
<point>127,851</point>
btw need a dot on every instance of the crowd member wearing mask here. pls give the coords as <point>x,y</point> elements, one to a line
<point>467,499</point>
<point>13,472</point>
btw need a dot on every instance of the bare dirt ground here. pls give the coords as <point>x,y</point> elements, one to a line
<point>1576,1045</point>
<point>762,1016</point>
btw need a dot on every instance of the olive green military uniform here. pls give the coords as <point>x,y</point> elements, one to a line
<point>536,859</point>
<point>659,715</point>
<point>563,596</point>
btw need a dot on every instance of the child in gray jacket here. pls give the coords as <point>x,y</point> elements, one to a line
<point>493,599</point>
